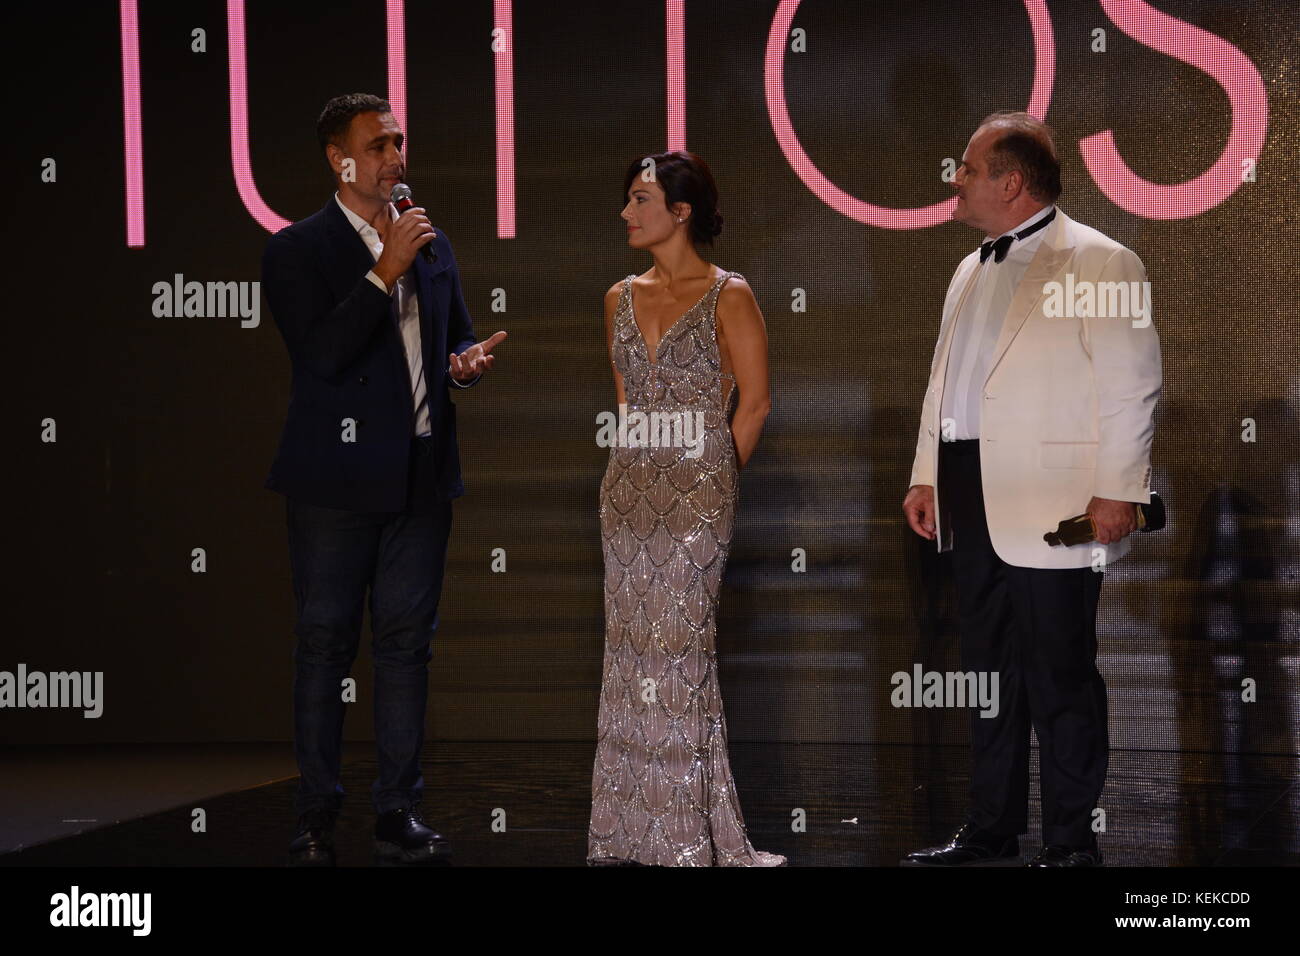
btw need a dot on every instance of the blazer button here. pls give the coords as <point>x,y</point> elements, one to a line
<point>362,380</point>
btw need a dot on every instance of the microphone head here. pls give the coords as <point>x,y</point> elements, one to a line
<point>400,191</point>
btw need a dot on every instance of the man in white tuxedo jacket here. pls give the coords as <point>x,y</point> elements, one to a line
<point>1039,408</point>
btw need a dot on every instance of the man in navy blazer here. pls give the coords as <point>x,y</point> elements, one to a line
<point>368,465</point>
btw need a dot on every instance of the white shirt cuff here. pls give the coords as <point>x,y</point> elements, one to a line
<point>378,281</point>
<point>472,381</point>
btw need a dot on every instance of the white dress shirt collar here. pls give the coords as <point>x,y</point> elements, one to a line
<point>359,224</point>
<point>1042,213</point>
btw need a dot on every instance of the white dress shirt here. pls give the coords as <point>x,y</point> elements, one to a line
<point>978,326</point>
<point>408,315</point>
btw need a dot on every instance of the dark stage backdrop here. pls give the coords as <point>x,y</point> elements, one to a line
<point>828,126</point>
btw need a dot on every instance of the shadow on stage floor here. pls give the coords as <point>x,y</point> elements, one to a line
<point>863,806</point>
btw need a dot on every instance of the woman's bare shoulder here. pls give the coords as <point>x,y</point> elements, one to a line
<point>614,291</point>
<point>736,289</point>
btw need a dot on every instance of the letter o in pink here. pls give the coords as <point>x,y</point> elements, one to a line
<point>1040,23</point>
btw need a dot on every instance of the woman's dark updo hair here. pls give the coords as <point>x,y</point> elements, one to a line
<point>684,177</point>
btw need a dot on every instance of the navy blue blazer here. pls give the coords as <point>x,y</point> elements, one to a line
<point>349,362</point>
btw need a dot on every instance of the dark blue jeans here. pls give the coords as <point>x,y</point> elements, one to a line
<point>335,557</point>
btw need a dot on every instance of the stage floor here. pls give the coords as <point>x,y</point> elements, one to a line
<point>863,805</point>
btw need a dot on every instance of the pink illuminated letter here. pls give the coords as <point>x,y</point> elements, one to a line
<point>244,183</point>
<point>134,154</point>
<point>396,27</point>
<point>675,34</point>
<point>1232,70</point>
<point>239,155</point>
<point>503,60</point>
<point>774,80</point>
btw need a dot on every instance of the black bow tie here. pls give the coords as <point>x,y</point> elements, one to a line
<point>998,247</point>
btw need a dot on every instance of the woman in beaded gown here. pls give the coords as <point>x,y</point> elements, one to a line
<point>662,790</point>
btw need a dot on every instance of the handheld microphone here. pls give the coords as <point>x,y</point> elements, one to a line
<point>400,197</point>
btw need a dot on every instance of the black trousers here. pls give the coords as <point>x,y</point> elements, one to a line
<point>1037,629</point>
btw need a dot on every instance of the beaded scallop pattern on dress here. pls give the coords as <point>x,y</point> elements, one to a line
<point>662,791</point>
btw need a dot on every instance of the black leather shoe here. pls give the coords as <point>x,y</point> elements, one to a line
<point>313,845</point>
<point>1055,854</point>
<point>401,836</point>
<point>969,847</point>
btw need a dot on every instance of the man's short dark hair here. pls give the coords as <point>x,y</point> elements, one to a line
<point>1028,146</point>
<point>337,115</point>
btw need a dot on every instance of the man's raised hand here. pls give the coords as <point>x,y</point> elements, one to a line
<point>476,359</point>
<point>403,239</point>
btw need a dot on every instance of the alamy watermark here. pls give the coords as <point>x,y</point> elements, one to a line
<point>946,689</point>
<point>56,689</point>
<point>79,909</point>
<point>1086,299</point>
<point>682,428</point>
<point>209,300</point>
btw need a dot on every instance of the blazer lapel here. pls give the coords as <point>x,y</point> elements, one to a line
<point>432,327</point>
<point>344,250</point>
<point>353,258</point>
<point>1053,253</point>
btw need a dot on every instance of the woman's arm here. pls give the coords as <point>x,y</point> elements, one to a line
<point>611,306</point>
<point>743,338</point>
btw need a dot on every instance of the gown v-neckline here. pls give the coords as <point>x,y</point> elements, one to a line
<point>631,305</point>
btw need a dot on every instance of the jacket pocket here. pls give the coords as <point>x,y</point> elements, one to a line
<point>1068,454</point>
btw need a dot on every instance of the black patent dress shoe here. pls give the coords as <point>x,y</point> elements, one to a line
<point>313,845</point>
<point>1055,854</point>
<point>969,846</point>
<point>401,836</point>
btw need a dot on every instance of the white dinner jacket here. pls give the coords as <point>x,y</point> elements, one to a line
<point>1068,403</point>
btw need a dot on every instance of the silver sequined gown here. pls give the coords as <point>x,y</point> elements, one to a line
<point>662,791</point>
